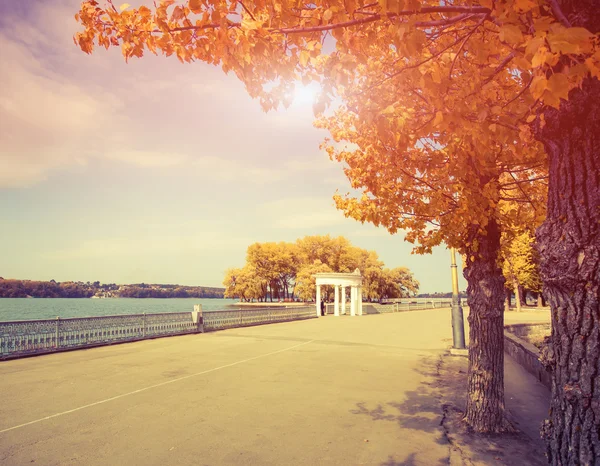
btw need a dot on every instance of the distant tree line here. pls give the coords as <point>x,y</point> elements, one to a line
<point>143,290</point>
<point>283,271</point>
<point>41,289</point>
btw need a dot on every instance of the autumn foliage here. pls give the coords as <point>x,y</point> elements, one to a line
<point>284,271</point>
<point>449,90</point>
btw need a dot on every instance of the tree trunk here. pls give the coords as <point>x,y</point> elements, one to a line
<point>517,295</point>
<point>569,246</point>
<point>507,299</point>
<point>485,291</point>
<point>523,296</point>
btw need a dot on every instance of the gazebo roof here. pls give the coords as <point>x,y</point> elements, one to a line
<point>334,278</point>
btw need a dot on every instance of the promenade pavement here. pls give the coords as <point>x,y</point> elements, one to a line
<point>327,391</point>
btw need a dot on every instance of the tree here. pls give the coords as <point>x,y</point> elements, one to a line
<point>401,283</point>
<point>520,261</point>
<point>519,266</point>
<point>272,267</point>
<point>305,282</point>
<point>489,68</point>
<point>244,283</point>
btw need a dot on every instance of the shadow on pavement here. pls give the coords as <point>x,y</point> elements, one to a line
<point>437,407</point>
<point>409,461</point>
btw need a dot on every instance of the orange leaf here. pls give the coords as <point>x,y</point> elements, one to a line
<point>196,6</point>
<point>538,86</point>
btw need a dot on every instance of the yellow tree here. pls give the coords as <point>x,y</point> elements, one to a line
<point>519,265</point>
<point>504,68</point>
<point>277,264</point>
<point>401,283</point>
<point>244,283</point>
<point>441,183</point>
<point>306,287</point>
<point>520,261</point>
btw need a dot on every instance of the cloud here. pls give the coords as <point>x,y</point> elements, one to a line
<point>370,231</point>
<point>135,247</point>
<point>46,122</point>
<point>306,213</point>
<point>61,108</point>
<point>223,169</point>
<point>148,158</point>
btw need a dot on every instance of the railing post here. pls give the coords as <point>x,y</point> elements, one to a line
<point>197,318</point>
<point>144,325</point>
<point>57,331</point>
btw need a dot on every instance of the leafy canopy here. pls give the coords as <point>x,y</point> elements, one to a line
<point>438,98</point>
<point>284,40</point>
<point>286,270</point>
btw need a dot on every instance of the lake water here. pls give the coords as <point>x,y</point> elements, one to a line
<point>50,308</point>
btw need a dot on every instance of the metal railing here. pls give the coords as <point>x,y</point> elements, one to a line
<point>220,320</point>
<point>26,337</point>
<point>376,308</point>
<point>32,337</point>
<point>408,306</point>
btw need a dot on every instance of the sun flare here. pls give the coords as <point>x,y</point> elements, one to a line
<point>306,95</point>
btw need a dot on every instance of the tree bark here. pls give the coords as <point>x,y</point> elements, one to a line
<point>507,299</point>
<point>517,295</point>
<point>485,291</point>
<point>523,295</point>
<point>569,246</point>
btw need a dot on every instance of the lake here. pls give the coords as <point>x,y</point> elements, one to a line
<point>50,308</point>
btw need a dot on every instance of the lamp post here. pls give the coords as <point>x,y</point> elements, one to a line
<point>458,326</point>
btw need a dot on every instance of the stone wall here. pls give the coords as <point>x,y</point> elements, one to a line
<point>531,333</point>
<point>524,352</point>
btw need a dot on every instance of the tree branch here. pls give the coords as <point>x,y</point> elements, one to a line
<point>559,14</point>
<point>377,17</point>
<point>500,67</point>
<point>247,11</point>
<point>519,94</point>
<point>356,22</point>
<point>462,45</point>
<point>517,182</point>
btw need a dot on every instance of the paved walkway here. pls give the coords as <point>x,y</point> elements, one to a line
<point>329,391</point>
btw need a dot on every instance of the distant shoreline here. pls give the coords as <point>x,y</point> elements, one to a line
<point>110,297</point>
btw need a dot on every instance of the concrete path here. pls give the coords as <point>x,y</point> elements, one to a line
<point>348,390</point>
<point>329,391</point>
<point>527,400</point>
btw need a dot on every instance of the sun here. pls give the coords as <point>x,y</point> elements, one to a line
<point>306,95</point>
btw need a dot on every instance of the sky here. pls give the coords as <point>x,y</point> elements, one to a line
<point>155,171</point>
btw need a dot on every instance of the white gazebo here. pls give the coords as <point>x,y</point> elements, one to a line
<point>341,280</point>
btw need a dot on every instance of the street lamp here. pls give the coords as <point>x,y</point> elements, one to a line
<point>458,326</point>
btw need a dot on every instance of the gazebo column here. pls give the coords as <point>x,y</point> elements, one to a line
<point>343,300</point>
<point>359,303</point>
<point>352,300</point>
<point>318,300</point>
<point>336,302</point>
